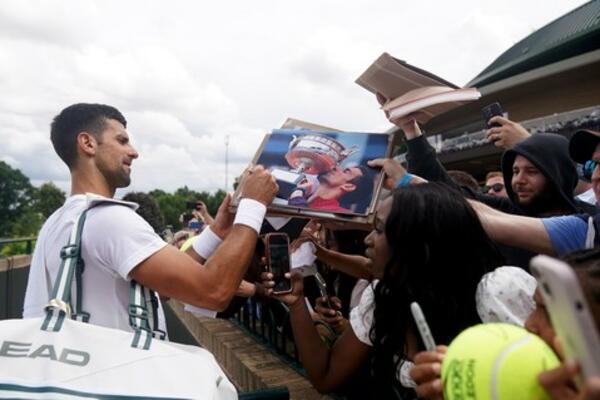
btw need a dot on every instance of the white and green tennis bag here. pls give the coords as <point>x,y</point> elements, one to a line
<point>61,356</point>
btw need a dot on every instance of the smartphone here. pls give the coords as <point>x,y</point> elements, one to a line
<point>569,312</point>
<point>490,111</point>
<point>278,261</point>
<point>190,205</point>
<point>195,225</point>
<point>422,326</point>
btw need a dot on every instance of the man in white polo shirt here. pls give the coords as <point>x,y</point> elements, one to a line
<point>118,245</point>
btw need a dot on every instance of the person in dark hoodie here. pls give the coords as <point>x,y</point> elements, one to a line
<point>539,177</point>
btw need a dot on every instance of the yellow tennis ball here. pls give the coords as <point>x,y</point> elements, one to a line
<point>496,361</point>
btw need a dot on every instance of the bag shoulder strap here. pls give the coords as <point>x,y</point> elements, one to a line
<point>72,265</point>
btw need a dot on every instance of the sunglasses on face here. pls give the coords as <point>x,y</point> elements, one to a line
<point>588,169</point>
<point>496,187</point>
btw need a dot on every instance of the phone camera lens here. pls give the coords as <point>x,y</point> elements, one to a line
<point>578,306</point>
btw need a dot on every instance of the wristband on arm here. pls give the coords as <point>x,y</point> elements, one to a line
<point>206,243</point>
<point>404,181</point>
<point>250,213</point>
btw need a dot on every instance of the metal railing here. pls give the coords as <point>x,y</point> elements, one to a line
<point>13,275</point>
<point>28,248</point>
<point>269,321</point>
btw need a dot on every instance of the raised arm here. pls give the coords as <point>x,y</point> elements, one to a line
<point>353,265</point>
<point>326,368</point>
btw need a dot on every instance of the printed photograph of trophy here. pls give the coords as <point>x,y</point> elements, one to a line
<point>324,172</point>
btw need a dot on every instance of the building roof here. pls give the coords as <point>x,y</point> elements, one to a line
<point>574,33</point>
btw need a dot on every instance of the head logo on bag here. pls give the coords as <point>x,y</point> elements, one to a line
<point>67,356</point>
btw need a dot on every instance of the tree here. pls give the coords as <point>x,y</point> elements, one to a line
<point>149,209</point>
<point>172,205</point>
<point>15,197</point>
<point>48,198</point>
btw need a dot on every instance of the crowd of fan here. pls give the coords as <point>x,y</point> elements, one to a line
<point>460,250</point>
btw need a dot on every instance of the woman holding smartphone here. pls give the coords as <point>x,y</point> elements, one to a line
<point>428,246</point>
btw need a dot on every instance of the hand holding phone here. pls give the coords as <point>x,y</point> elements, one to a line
<point>329,308</point>
<point>492,110</point>
<point>569,312</point>
<point>278,261</point>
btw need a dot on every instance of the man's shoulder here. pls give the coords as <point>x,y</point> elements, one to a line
<point>64,215</point>
<point>113,216</point>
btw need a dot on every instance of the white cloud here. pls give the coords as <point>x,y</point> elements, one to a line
<point>188,74</point>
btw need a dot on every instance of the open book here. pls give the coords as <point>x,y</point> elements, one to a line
<point>409,89</point>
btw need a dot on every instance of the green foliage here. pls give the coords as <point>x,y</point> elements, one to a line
<point>172,205</point>
<point>15,197</point>
<point>48,198</point>
<point>149,209</point>
<point>24,208</point>
<point>12,249</point>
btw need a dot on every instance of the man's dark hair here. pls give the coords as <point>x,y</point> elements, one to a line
<point>364,189</point>
<point>75,119</point>
<point>463,178</point>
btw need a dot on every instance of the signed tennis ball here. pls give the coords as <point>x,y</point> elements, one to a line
<point>496,361</point>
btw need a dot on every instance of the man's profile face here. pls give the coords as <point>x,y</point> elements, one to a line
<point>527,182</point>
<point>115,154</point>
<point>338,177</point>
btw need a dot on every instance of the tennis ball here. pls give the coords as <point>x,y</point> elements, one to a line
<point>496,361</point>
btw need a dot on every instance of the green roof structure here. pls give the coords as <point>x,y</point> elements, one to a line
<point>574,33</point>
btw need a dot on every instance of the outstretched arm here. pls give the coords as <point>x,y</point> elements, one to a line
<point>514,230</point>
<point>353,265</point>
<point>174,274</point>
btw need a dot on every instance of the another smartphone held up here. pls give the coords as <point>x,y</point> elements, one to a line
<point>569,312</point>
<point>278,261</point>
<point>492,110</point>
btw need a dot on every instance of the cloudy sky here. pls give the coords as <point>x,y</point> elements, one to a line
<point>186,74</point>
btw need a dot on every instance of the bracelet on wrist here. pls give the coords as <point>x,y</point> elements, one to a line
<point>404,181</point>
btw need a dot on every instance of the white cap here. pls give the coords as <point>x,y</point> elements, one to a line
<point>506,295</point>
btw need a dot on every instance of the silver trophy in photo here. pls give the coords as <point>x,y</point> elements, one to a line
<point>312,154</point>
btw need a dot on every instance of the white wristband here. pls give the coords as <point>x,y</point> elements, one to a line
<point>206,243</point>
<point>250,213</point>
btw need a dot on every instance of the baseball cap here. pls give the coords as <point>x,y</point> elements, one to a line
<point>583,144</point>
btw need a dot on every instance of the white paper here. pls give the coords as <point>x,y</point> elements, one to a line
<point>278,222</point>
<point>199,310</point>
<point>303,259</point>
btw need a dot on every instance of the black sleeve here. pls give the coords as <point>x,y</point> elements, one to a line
<point>423,161</point>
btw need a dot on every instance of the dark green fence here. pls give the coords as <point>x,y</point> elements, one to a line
<point>13,280</point>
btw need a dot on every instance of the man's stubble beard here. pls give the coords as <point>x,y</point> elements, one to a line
<point>116,179</point>
<point>547,200</point>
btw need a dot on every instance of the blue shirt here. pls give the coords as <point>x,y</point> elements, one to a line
<point>567,233</point>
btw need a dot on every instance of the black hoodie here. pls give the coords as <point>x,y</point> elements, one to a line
<point>547,151</point>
